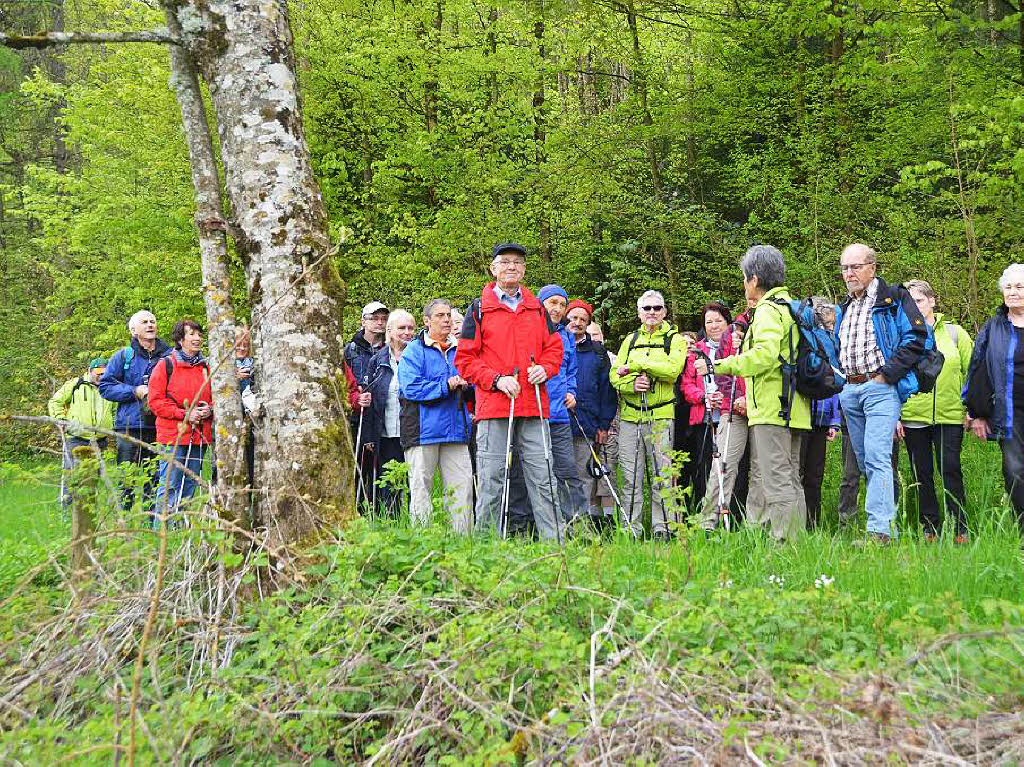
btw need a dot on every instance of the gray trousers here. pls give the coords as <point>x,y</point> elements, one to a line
<point>528,442</point>
<point>776,497</point>
<point>645,448</point>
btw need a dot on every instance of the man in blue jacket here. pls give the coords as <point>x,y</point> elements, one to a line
<point>881,337</point>
<point>596,404</point>
<point>126,382</point>
<point>434,420</point>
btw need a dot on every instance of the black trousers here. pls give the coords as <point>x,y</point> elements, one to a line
<point>1013,468</point>
<point>698,464</point>
<point>130,452</point>
<point>927,446</point>
<point>812,471</point>
<point>389,500</point>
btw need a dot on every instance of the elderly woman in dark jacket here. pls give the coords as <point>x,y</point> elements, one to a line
<point>994,392</point>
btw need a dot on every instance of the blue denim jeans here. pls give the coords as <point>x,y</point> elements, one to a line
<point>175,485</point>
<point>871,410</point>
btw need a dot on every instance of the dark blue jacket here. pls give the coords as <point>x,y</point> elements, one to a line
<point>119,381</point>
<point>901,332</point>
<point>358,354</point>
<point>995,348</point>
<point>826,412</point>
<point>565,381</point>
<point>431,413</point>
<point>596,400</point>
<point>377,380</point>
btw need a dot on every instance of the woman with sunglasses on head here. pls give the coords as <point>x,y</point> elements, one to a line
<point>716,403</point>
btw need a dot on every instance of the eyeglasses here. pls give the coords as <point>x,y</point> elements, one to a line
<point>506,264</point>
<point>652,308</point>
<point>854,267</point>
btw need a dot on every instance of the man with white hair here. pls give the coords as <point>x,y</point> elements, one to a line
<point>881,337</point>
<point>645,374</point>
<point>126,382</point>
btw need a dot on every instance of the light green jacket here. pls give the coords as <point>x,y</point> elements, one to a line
<point>79,401</point>
<point>648,356</point>
<point>943,405</point>
<point>758,363</point>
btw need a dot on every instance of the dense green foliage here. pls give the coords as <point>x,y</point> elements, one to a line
<point>628,144</point>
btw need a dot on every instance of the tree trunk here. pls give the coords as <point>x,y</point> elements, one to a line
<point>430,88</point>
<point>540,129</point>
<point>653,159</point>
<point>244,51</point>
<point>492,46</point>
<point>230,495</point>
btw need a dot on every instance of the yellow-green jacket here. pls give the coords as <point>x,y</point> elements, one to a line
<point>79,401</point>
<point>644,352</point>
<point>758,363</point>
<point>942,405</point>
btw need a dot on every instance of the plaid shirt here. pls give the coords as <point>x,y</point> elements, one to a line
<point>859,353</point>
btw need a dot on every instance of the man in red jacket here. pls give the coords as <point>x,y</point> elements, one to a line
<point>508,347</point>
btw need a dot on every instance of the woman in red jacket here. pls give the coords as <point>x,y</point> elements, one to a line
<point>180,397</point>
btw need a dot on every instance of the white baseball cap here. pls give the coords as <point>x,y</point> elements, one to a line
<point>373,307</point>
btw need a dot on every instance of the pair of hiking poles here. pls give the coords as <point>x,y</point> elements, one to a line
<point>357,472</point>
<point>548,458</point>
<point>641,450</point>
<point>717,456</point>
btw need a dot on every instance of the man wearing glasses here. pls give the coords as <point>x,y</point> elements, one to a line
<point>881,336</point>
<point>645,374</point>
<point>508,347</point>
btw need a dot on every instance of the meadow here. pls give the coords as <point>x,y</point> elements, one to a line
<point>397,644</point>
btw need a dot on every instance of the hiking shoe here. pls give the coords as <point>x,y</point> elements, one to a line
<point>961,540</point>
<point>879,539</point>
<point>931,538</point>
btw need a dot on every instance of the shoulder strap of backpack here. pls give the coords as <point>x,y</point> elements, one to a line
<point>668,341</point>
<point>476,307</point>
<point>632,343</point>
<point>74,389</point>
<point>168,368</point>
<point>129,355</point>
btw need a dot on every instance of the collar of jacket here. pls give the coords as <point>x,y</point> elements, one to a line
<point>160,350</point>
<point>489,301</point>
<point>883,296</point>
<point>359,339</point>
<point>661,330</point>
<point>772,294</point>
<point>428,341</point>
<point>585,344</point>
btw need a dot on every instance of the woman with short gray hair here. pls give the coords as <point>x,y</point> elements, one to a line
<point>776,498</point>
<point>997,365</point>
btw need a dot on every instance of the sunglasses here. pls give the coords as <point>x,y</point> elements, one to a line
<point>652,308</point>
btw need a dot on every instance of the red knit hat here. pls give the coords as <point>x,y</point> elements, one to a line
<point>578,303</point>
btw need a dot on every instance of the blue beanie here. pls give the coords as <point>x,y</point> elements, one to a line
<point>552,290</point>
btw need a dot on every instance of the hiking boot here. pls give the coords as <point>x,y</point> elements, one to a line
<point>879,539</point>
<point>663,536</point>
<point>961,540</point>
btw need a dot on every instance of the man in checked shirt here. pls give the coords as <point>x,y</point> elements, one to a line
<point>881,337</point>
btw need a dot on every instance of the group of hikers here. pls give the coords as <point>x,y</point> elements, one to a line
<point>528,421</point>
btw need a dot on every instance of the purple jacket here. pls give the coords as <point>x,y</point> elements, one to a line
<point>825,412</point>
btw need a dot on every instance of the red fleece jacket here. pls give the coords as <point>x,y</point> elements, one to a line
<point>189,384</point>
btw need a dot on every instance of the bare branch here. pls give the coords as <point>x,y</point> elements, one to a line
<point>50,39</point>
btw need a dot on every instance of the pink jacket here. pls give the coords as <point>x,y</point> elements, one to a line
<point>693,385</point>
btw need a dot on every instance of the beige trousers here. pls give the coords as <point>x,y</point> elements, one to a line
<point>452,460</point>
<point>776,498</point>
<point>733,454</point>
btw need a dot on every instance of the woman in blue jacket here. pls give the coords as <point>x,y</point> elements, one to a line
<point>994,392</point>
<point>434,420</point>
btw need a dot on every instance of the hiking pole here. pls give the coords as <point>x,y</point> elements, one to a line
<point>356,469</point>
<point>710,387</point>
<point>503,520</point>
<point>546,439</point>
<point>723,508</point>
<point>602,469</point>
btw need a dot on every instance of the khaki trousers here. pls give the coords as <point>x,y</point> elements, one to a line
<point>776,497</point>
<point>646,446</point>
<point>452,460</point>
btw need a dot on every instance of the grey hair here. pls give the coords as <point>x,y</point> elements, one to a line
<point>428,310</point>
<point>824,309</point>
<point>134,320</point>
<point>393,318</point>
<point>765,263</point>
<point>920,285</point>
<point>649,294</point>
<point>1004,278</point>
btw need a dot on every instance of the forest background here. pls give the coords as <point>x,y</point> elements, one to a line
<point>626,144</point>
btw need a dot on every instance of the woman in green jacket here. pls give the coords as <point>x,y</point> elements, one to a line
<point>932,425</point>
<point>776,497</point>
